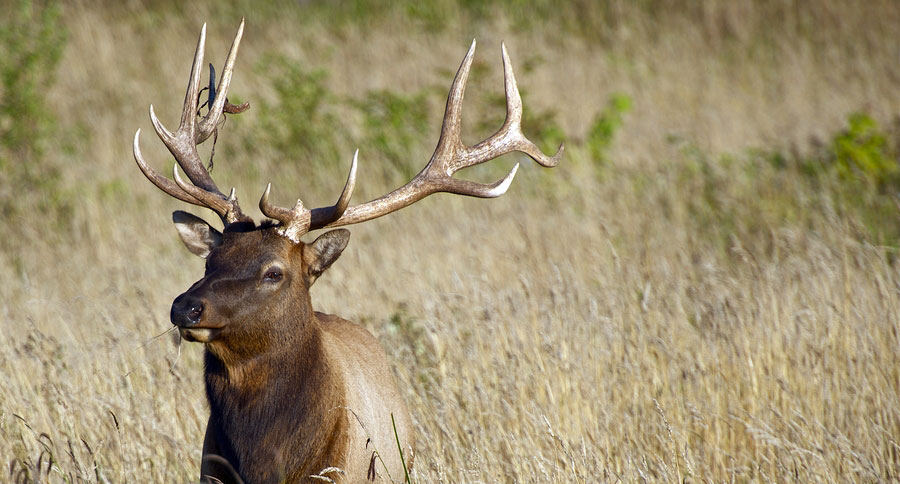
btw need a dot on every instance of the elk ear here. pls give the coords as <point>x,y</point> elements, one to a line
<point>324,251</point>
<point>199,237</point>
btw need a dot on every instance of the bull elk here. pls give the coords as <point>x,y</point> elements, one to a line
<point>293,391</point>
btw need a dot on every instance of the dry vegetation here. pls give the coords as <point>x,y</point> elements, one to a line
<point>697,298</point>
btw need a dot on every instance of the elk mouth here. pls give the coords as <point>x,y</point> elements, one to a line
<point>199,335</point>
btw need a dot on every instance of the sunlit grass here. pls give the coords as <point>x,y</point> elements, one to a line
<point>686,310</point>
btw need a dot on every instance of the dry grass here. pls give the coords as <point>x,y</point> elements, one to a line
<point>582,328</point>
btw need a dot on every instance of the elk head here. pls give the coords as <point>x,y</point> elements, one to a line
<point>254,295</point>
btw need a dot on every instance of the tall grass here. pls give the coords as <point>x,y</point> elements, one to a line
<point>705,290</point>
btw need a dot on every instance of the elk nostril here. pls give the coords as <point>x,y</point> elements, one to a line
<point>186,311</point>
<point>194,314</point>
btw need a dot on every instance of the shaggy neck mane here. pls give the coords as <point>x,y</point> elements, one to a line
<point>247,400</point>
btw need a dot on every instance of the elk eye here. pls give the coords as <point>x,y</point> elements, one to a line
<point>273,275</point>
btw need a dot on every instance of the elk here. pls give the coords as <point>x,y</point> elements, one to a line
<point>292,391</point>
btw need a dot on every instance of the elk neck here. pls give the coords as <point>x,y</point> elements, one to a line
<point>282,346</point>
<point>246,395</point>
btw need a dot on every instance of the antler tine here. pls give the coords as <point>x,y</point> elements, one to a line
<point>480,190</point>
<point>299,220</point>
<point>209,123</point>
<point>227,209</point>
<point>320,217</point>
<point>189,113</point>
<point>160,181</point>
<point>450,140</point>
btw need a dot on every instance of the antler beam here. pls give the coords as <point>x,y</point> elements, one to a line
<point>193,131</point>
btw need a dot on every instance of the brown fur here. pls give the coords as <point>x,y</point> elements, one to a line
<point>291,391</point>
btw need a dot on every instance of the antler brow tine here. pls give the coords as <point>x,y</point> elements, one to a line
<point>299,220</point>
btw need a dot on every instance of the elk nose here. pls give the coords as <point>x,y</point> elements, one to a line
<point>186,311</point>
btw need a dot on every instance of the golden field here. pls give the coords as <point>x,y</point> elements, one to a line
<point>698,293</point>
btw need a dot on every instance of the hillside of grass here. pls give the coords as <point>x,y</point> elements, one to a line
<point>706,288</point>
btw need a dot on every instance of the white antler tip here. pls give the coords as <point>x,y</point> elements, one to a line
<point>351,178</point>
<point>471,49</point>
<point>344,200</point>
<point>504,53</point>
<point>264,201</point>
<point>512,173</point>
<point>505,184</point>
<point>136,147</point>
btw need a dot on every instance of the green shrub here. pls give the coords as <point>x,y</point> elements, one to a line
<point>300,123</point>
<point>854,176</point>
<point>861,151</point>
<point>32,39</point>
<point>603,130</point>
<point>863,178</point>
<point>393,126</point>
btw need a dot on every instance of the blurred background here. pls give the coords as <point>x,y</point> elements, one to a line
<point>704,290</point>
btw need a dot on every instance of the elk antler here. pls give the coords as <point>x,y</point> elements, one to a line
<point>450,156</point>
<point>193,131</point>
<point>296,221</point>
